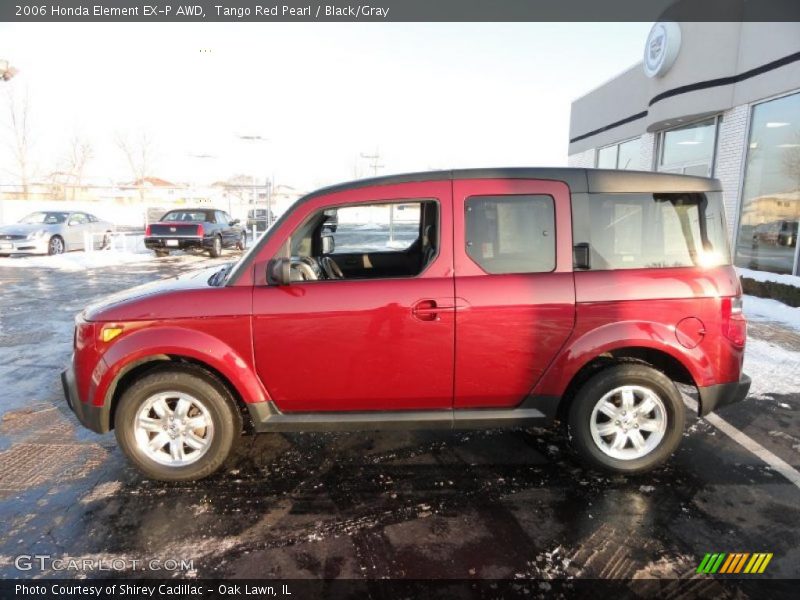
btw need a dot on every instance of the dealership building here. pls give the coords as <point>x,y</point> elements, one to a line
<point>717,100</point>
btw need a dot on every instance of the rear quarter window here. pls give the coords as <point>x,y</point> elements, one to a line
<point>647,231</point>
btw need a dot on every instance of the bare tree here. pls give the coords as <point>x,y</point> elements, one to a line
<point>79,153</point>
<point>140,156</point>
<point>20,139</point>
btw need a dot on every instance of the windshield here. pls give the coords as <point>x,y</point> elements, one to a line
<point>194,216</point>
<point>45,218</point>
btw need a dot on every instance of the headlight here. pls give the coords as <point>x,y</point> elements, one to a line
<point>36,234</point>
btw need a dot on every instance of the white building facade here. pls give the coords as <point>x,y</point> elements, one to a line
<point>717,100</point>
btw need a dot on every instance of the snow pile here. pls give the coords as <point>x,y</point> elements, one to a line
<point>765,309</point>
<point>774,370</point>
<point>77,261</point>
<point>773,277</point>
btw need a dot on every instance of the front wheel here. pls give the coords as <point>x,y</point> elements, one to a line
<point>55,246</point>
<point>178,424</point>
<point>627,419</point>
<point>242,243</point>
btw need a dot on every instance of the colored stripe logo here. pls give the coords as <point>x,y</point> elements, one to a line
<point>735,562</point>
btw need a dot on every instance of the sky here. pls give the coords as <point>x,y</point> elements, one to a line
<point>424,96</point>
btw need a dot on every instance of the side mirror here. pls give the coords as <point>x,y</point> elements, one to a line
<point>328,245</point>
<point>279,271</point>
<point>234,222</point>
<point>581,256</point>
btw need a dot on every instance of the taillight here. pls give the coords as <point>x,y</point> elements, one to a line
<point>147,231</point>
<point>200,231</point>
<point>734,325</point>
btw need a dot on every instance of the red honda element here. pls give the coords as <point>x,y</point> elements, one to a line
<point>454,299</point>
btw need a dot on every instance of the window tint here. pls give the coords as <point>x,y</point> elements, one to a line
<point>511,234</point>
<point>638,231</point>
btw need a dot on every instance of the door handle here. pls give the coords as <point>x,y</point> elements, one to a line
<point>428,310</point>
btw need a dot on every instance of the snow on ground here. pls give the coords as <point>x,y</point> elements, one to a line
<point>765,309</point>
<point>774,370</point>
<point>77,261</point>
<point>764,276</point>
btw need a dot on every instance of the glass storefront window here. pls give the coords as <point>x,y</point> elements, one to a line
<point>689,149</point>
<point>628,157</point>
<point>607,157</point>
<point>619,156</point>
<point>767,236</point>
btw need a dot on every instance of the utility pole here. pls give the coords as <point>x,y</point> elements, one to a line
<point>375,165</point>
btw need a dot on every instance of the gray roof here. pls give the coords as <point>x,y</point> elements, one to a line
<point>578,180</point>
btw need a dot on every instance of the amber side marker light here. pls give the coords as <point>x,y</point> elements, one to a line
<point>109,333</point>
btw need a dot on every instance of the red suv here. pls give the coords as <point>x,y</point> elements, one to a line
<point>454,299</point>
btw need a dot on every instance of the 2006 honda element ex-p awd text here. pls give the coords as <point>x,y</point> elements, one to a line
<point>453,299</point>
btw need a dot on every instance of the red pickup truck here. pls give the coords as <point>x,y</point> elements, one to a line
<point>454,299</point>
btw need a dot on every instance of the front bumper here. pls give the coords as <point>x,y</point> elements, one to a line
<point>96,418</point>
<point>34,246</point>
<point>714,396</point>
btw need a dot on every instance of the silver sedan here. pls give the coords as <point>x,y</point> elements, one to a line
<point>54,232</point>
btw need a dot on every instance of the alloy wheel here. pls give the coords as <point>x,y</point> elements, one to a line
<point>56,245</point>
<point>173,429</point>
<point>628,422</point>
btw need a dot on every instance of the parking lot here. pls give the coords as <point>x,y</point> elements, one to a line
<point>417,505</point>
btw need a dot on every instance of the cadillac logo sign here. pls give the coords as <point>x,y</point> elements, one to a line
<point>661,48</point>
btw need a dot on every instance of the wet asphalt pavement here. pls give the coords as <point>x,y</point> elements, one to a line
<point>494,504</point>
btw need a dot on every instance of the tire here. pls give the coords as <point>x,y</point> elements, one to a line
<point>242,243</point>
<point>162,253</point>
<point>203,450</point>
<point>637,450</point>
<point>55,245</point>
<point>216,249</point>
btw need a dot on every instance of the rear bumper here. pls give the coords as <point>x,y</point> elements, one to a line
<point>714,396</point>
<point>92,417</point>
<point>160,243</point>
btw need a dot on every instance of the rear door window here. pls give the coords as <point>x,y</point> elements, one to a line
<point>511,234</point>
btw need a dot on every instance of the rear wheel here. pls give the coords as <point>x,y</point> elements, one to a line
<point>240,245</point>
<point>627,419</point>
<point>55,245</point>
<point>216,247</point>
<point>178,424</point>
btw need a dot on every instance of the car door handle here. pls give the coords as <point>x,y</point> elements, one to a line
<point>428,310</point>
